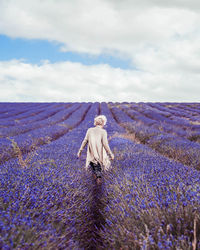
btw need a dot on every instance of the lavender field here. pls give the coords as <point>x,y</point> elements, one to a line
<point>149,199</point>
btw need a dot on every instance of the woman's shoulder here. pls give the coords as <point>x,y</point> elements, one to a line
<point>100,130</point>
<point>104,131</point>
<point>90,129</point>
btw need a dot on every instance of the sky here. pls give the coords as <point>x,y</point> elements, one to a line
<point>99,51</point>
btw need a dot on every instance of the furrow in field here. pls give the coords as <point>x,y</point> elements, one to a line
<point>19,109</point>
<point>30,116</point>
<point>51,118</point>
<point>189,108</point>
<point>145,190</point>
<point>59,148</point>
<point>142,190</point>
<point>46,114</point>
<point>193,119</point>
<point>152,118</point>
<point>176,111</point>
<point>155,115</point>
<point>174,147</point>
<point>23,144</point>
<point>179,127</point>
<point>9,107</point>
<point>68,173</point>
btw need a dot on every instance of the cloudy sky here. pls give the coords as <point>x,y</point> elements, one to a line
<point>99,50</point>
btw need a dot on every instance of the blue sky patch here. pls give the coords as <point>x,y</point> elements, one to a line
<point>35,50</point>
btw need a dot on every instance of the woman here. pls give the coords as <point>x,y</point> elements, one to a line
<point>98,148</point>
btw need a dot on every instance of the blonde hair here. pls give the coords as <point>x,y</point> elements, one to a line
<point>100,120</point>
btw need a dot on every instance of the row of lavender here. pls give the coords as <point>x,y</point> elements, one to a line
<point>154,201</point>
<point>44,202</point>
<point>54,169</point>
<point>73,202</point>
<point>175,138</point>
<point>171,119</point>
<point>41,131</point>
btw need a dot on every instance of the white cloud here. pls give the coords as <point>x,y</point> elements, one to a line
<point>96,26</point>
<point>72,82</point>
<point>162,38</point>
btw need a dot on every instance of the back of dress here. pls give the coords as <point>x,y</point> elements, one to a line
<point>97,146</point>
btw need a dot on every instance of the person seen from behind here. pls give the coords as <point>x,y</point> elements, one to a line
<point>98,150</point>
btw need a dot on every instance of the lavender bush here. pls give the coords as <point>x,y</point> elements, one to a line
<point>148,200</point>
